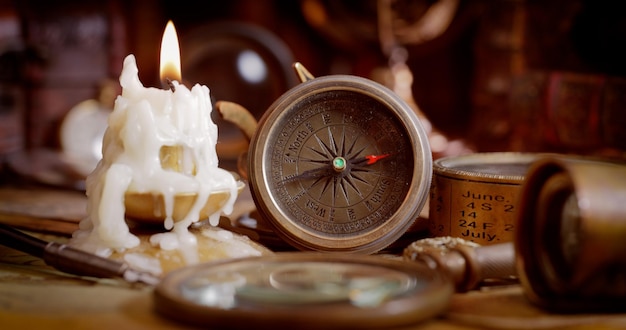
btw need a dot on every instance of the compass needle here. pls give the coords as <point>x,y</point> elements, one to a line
<point>316,173</point>
<point>372,159</point>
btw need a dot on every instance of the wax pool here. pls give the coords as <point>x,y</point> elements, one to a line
<point>142,122</point>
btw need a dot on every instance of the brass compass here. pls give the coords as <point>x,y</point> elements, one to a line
<point>339,163</point>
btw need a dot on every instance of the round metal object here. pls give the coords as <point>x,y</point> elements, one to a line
<point>148,207</point>
<point>475,197</point>
<point>340,163</point>
<point>304,291</point>
<point>570,247</point>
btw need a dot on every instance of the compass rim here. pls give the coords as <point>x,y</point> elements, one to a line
<point>381,235</point>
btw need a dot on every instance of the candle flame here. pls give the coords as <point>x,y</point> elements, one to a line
<point>170,55</point>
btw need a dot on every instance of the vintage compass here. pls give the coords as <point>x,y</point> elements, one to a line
<point>339,163</point>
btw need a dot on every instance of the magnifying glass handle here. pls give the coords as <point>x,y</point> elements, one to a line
<point>495,261</point>
<point>470,265</point>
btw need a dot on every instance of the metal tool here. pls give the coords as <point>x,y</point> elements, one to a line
<point>571,235</point>
<point>70,260</point>
<point>569,251</point>
<point>468,264</point>
<point>339,164</point>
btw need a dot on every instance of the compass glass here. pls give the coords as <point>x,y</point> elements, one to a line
<point>326,167</point>
<point>339,164</point>
<point>292,290</point>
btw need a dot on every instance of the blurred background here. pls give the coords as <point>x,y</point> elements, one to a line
<point>498,75</point>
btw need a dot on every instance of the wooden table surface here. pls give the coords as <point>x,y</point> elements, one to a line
<point>35,296</point>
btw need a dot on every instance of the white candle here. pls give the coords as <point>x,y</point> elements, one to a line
<point>143,121</point>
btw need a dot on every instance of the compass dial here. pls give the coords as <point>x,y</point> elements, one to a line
<point>340,163</point>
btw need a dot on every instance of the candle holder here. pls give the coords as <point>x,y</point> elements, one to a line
<point>149,207</point>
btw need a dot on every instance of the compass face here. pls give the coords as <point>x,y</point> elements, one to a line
<point>339,163</point>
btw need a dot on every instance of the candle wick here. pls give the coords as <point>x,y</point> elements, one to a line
<point>171,84</point>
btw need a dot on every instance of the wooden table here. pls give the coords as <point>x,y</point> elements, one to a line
<point>35,296</point>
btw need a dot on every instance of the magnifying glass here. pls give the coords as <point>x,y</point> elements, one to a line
<point>304,290</point>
